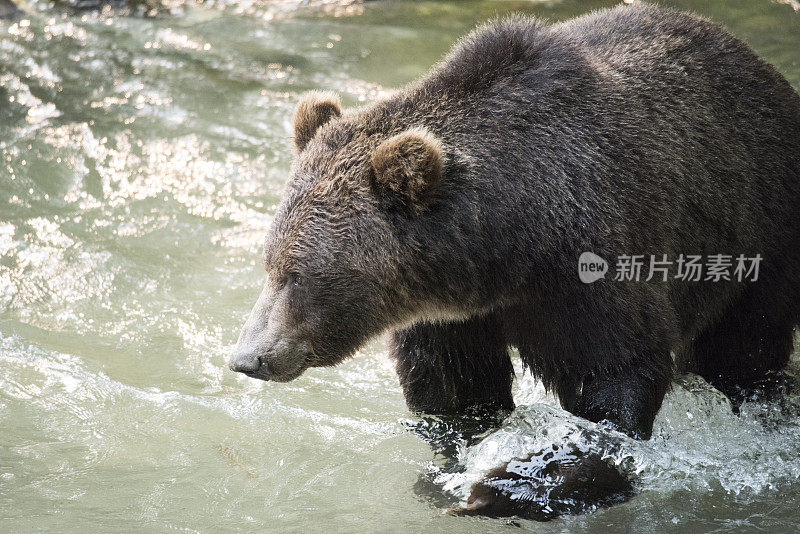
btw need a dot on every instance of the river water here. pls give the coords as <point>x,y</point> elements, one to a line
<point>142,153</point>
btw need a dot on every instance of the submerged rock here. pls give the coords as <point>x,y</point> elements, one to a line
<point>549,483</point>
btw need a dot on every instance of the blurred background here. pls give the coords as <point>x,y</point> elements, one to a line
<point>143,149</point>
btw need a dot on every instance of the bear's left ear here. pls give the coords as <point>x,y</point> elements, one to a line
<point>315,109</point>
<point>410,165</point>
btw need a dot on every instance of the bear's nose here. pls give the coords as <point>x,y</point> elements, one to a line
<point>244,362</point>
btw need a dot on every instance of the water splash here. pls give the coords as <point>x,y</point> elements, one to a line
<point>698,442</point>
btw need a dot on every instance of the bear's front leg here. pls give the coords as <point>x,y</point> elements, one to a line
<point>460,372</point>
<point>454,367</point>
<point>628,398</point>
<point>564,480</point>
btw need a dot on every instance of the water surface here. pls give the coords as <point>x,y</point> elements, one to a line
<point>142,154</point>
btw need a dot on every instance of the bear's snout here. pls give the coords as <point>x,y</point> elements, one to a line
<point>285,362</point>
<point>268,349</point>
<point>244,362</point>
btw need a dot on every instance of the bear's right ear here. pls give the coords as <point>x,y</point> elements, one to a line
<point>315,109</point>
<point>410,165</point>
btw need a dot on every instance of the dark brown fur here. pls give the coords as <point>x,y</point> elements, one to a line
<point>410,165</point>
<point>314,110</point>
<point>453,213</point>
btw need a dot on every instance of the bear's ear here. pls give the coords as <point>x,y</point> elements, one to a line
<point>410,165</point>
<point>315,109</point>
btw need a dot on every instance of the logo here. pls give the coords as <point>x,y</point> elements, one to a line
<point>591,267</point>
<point>686,267</point>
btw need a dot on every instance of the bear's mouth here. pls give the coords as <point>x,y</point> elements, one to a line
<point>268,373</point>
<point>256,375</point>
<point>275,378</point>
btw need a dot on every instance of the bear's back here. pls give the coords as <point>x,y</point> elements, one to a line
<point>625,44</point>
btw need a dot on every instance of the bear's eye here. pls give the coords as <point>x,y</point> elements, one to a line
<point>295,279</point>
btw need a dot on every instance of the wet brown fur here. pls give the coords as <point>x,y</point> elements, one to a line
<point>452,213</point>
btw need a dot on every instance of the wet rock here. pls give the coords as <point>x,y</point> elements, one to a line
<point>549,483</point>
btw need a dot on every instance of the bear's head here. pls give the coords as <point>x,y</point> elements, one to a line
<point>356,245</point>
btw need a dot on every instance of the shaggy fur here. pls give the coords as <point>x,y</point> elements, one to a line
<point>454,211</point>
<point>409,164</point>
<point>314,110</point>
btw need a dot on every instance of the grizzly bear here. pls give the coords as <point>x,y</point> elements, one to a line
<point>453,214</point>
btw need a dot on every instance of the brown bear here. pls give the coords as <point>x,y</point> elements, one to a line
<point>453,214</point>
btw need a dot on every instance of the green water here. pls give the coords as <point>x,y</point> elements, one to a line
<point>141,159</point>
